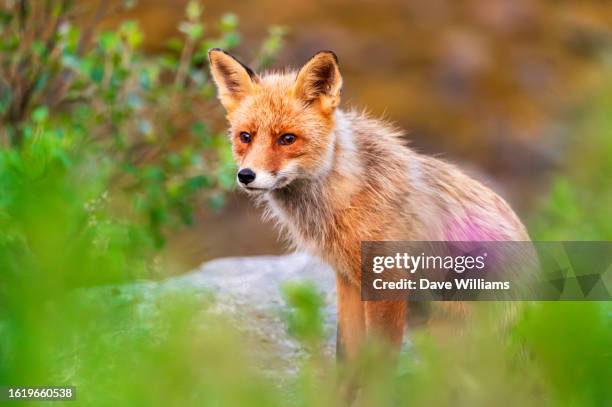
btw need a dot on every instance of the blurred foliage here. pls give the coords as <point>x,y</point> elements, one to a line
<point>481,80</point>
<point>580,203</point>
<point>74,90</point>
<point>304,316</point>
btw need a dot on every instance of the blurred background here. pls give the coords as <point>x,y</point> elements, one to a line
<point>486,84</point>
<point>116,173</point>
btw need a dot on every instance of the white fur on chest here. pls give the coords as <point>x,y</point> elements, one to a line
<point>290,227</point>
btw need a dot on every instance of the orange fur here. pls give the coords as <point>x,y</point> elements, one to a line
<point>346,179</point>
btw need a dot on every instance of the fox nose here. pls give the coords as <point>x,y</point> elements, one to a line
<point>246,176</point>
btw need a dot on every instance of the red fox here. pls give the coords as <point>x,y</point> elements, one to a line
<point>333,178</point>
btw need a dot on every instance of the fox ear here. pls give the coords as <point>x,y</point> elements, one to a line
<point>234,79</point>
<point>320,79</point>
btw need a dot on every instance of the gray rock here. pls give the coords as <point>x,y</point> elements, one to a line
<point>255,282</point>
<point>247,291</point>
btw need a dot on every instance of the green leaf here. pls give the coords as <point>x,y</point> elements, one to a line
<point>193,30</point>
<point>197,182</point>
<point>304,317</point>
<point>40,114</point>
<point>194,10</point>
<point>132,34</point>
<point>175,44</point>
<point>199,129</point>
<point>229,22</point>
<point>196,30</point>
<point>108,41</point>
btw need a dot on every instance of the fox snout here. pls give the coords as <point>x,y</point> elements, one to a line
<point>246,176</point>
<point>258,180</point>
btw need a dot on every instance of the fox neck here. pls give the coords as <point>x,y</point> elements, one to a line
<point>306,208</point>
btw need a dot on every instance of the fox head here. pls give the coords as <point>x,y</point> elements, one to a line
<point>280,124</point>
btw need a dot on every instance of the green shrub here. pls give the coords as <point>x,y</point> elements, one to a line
<point>69,91</point>
<point>103,148</point>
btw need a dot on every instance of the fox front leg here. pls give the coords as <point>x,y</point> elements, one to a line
<point>386,320</point>
<point>351,318</point>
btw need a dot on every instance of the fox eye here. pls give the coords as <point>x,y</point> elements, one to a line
<point>286,139</point>
<point>245,137</point>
